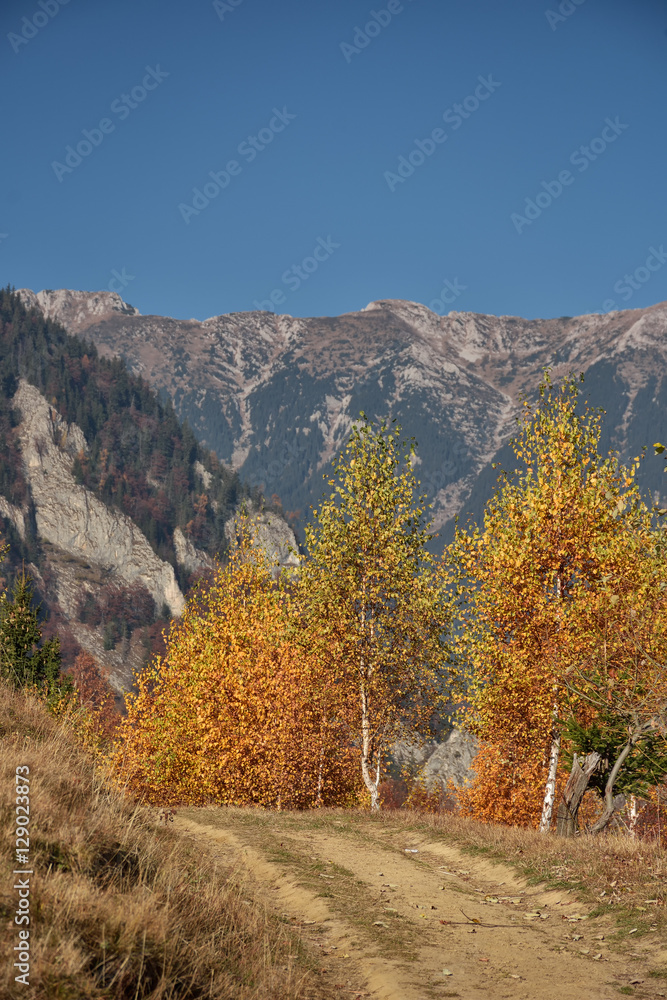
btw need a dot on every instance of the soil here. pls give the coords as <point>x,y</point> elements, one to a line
<point>397,918</point>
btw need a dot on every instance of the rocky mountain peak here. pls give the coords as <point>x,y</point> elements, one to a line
<point>76,310</point>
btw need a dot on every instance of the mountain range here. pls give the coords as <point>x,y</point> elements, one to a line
<point>274,396</point>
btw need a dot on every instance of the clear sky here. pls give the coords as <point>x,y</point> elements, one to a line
<point>304,112</point>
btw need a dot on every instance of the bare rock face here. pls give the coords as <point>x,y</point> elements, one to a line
<point>271,534</point>
<point>76,310</point>
<point>275,396</point>
<point>192,559</point>
<point>13,514</point>
<point>451,761</point>
<point>70,518</point>
<point>439,764</point>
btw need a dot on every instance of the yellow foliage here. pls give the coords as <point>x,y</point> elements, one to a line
<point>564,532</point>
<point>236,713</point>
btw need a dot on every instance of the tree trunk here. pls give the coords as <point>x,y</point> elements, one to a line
<point>633,816</point>
<point>609,805</point>
<point>320,777</point>
<point>636,735</point>
<point>576,786</point>
<point>367,752</point>
<point>550,789</point>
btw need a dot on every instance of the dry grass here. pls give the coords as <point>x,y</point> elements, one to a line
<point>120,908</point>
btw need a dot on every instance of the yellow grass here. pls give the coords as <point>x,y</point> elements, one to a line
<point>122,909</point>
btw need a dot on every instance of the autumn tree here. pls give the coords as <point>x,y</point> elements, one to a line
<point>370,599</point>
<point>95,695</point>
<point>235,712</point>
<point>621,686</point>
<point>556,530</point>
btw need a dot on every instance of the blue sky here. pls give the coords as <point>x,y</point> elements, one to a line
<point>314,209</point>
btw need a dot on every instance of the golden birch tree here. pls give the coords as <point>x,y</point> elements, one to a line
<point>371,600</point>
<point>553,532</point>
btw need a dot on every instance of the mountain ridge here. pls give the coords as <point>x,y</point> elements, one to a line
<point>275,396</point>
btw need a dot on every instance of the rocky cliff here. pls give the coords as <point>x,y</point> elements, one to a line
<point>275,396</point>
<point>91,547</point>
<point>87,545</point>
<point>70,518</point>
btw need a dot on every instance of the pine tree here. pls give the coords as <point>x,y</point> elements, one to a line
<point>23,661</point>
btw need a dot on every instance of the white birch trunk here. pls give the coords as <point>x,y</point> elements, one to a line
<point>550,789</point>
<point>367,752</point>
<point>320,778</point>
<point>633,815</point>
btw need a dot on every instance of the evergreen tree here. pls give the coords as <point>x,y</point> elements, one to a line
<point>22,660</point>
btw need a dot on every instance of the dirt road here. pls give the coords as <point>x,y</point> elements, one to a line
<point>398,918</point>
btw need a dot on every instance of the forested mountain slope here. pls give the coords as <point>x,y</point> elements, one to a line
<point>105,495</point>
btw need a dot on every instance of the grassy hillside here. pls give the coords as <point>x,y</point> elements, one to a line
<point>121,908</point>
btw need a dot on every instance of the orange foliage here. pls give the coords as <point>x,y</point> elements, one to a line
<point>517,779</point>
<point>558,533</point>
<point>236,713</point>
<point>95,696</point>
